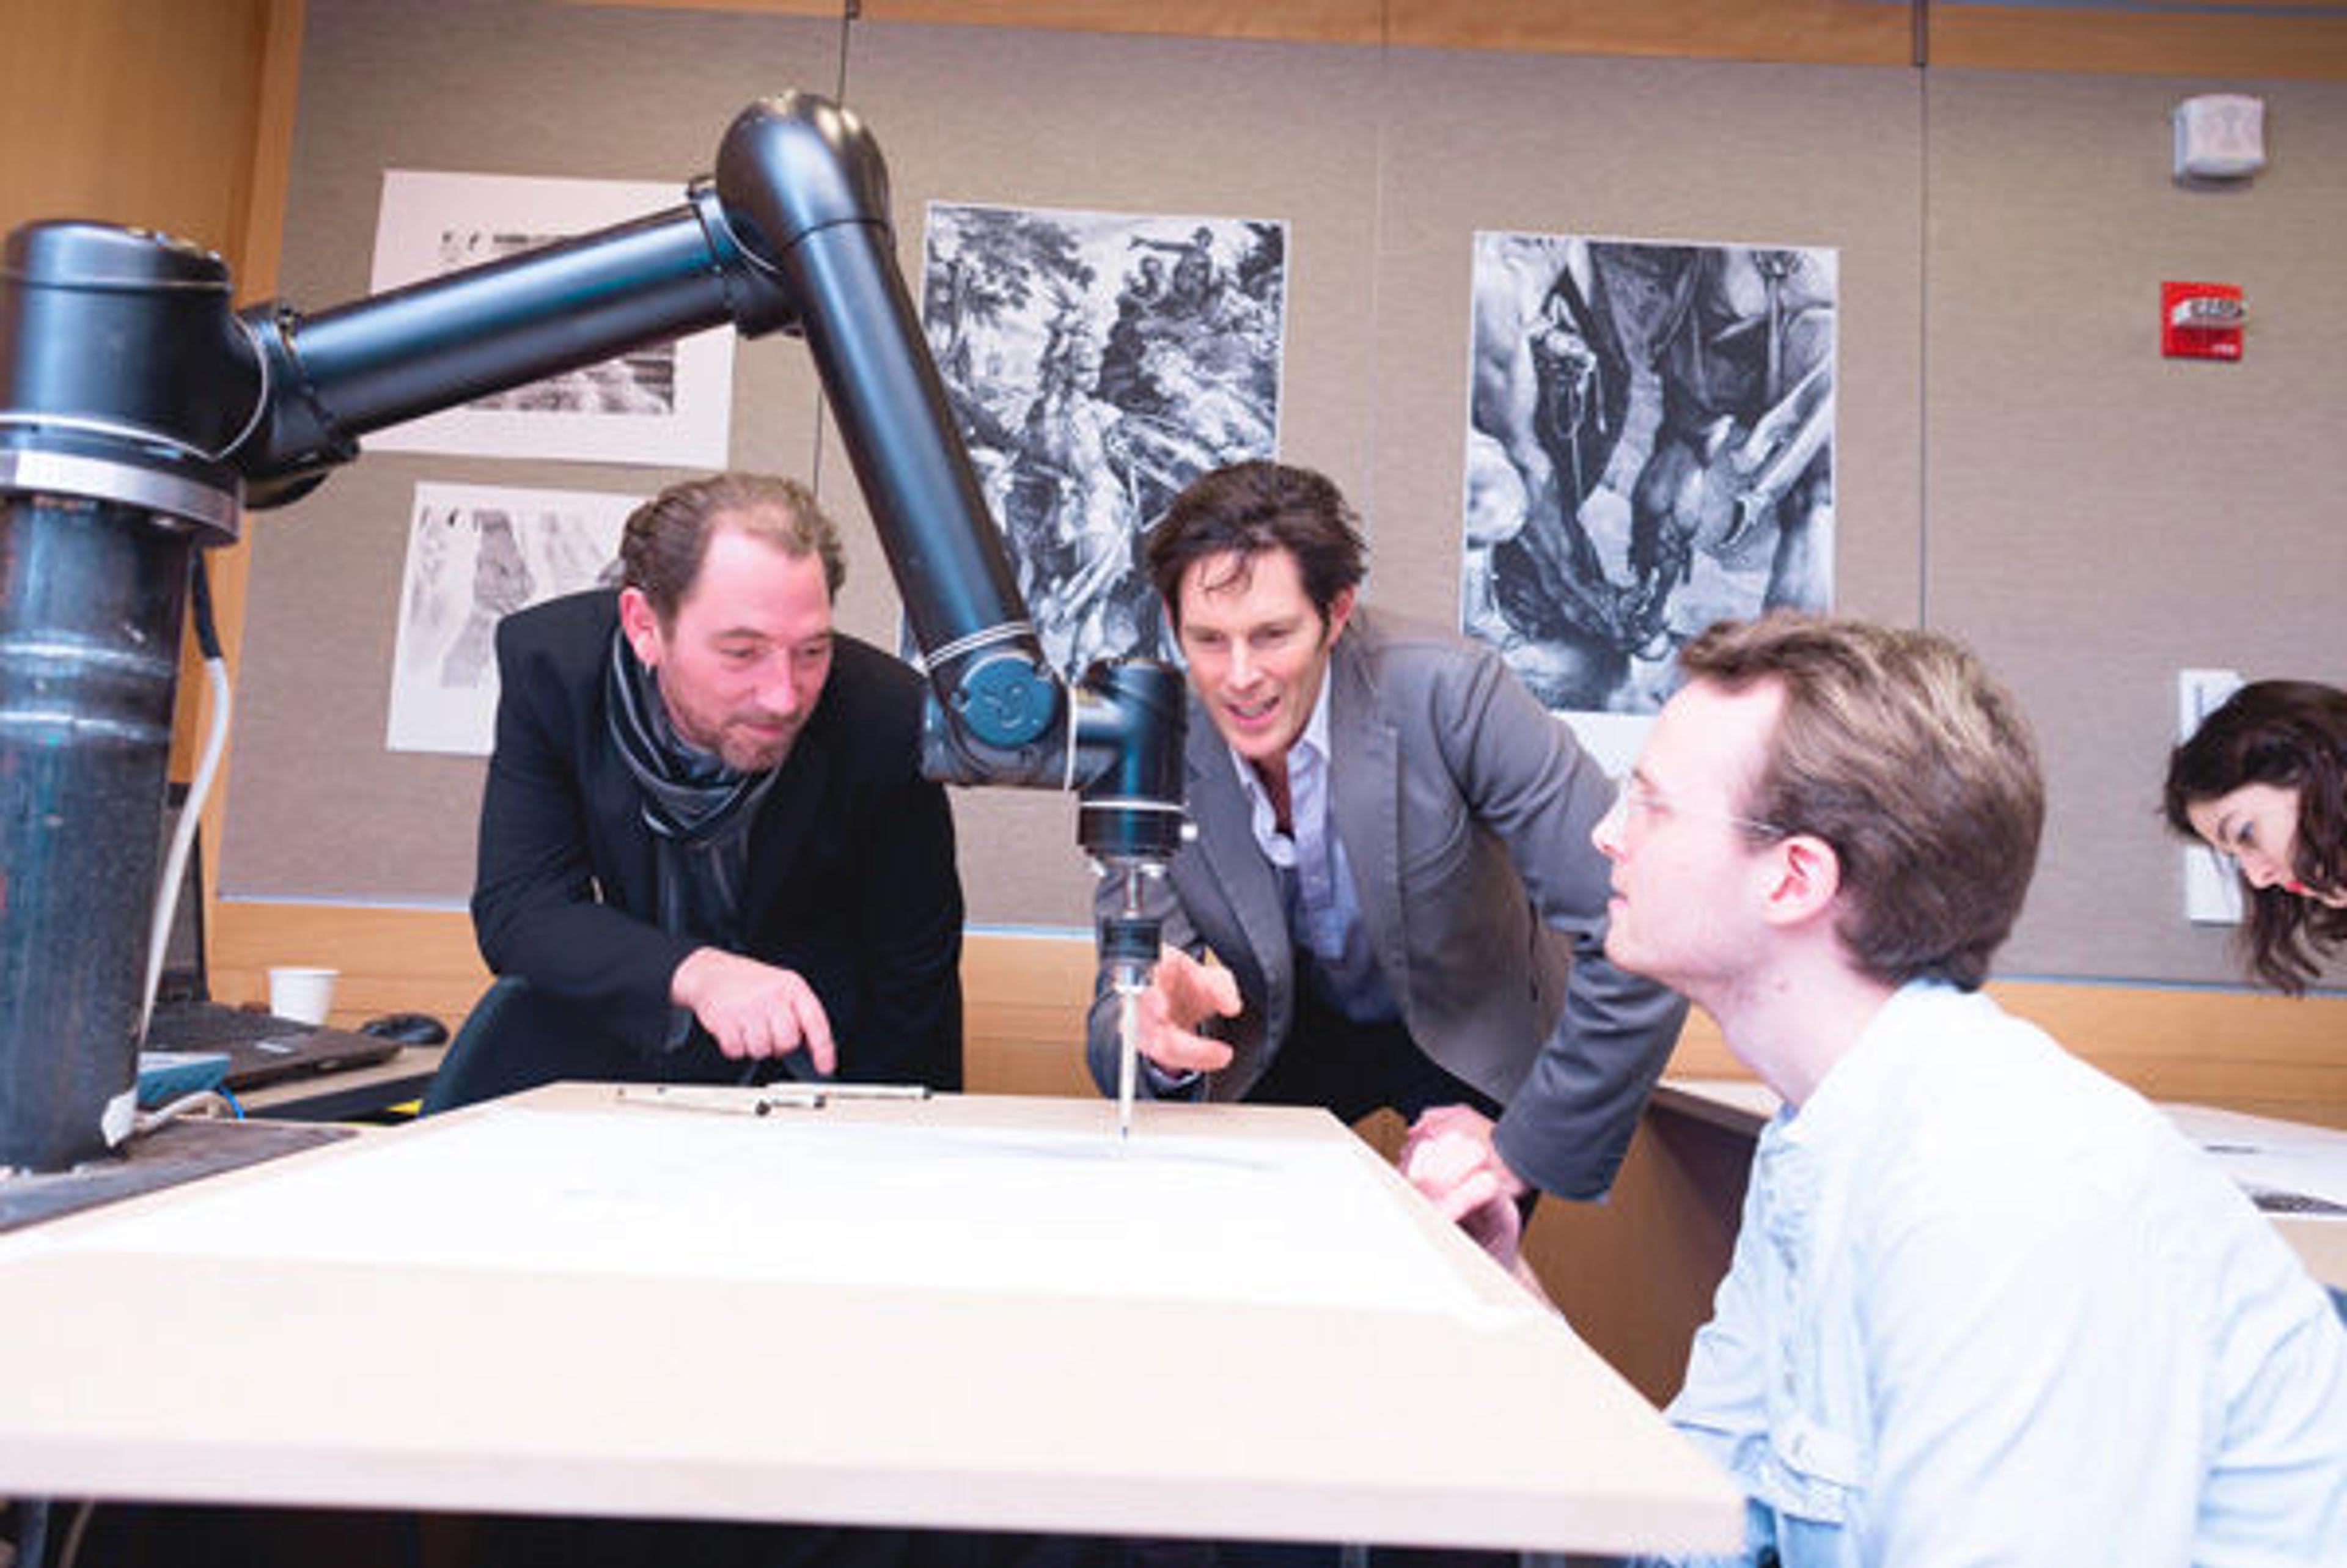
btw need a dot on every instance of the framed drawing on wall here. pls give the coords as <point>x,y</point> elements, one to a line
<point>665,404</point>
<point>475,554</point>
<point>1650,449</point>
<point>1097,363</point>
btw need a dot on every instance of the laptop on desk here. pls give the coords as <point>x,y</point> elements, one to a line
<point>262,1049</point>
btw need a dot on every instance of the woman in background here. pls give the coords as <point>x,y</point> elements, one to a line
<point>2264,781</point>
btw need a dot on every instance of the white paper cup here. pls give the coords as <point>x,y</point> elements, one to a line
<point>305,996</point>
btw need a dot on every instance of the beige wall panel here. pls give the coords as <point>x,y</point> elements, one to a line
<point>1827,32</point>
<point>2101,517</point>
<point>2262,40</point>
<point>1636,150</point>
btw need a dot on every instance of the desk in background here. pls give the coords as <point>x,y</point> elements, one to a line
<point>355,1094</point>
<point>561,1303</point>
<point>2266,1156</point>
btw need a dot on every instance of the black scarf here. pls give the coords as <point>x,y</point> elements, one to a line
<point>699,810</point>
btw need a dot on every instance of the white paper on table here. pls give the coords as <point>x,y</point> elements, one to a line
<point>795,1196</point>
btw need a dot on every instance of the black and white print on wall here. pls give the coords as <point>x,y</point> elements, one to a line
<point>667,403</point>
<point>1097,363</point>
<point>1650,449</point>
<point>476,553</point>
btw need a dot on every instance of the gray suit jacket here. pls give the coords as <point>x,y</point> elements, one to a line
<point>1465,810</point>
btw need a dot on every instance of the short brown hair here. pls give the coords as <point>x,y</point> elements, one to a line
<point>660,548</point>
<point>1900,750</point>
<point>1251,508</point>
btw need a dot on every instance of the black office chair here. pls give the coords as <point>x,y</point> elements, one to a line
<point>516,1038</point>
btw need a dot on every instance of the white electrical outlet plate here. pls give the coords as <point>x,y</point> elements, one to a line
<point>2212,890</point>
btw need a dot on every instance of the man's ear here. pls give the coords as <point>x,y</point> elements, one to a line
<point>640,623</point>
<point>1806,873</point>
<point>1340,610</point>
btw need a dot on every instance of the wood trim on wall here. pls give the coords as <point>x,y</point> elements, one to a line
<point>1842,32</point>
<point>1293,21</point>
<point>1821,32</point>
<point>2263,1053</point>
<point>389,961</point>
<point>2266,1054</point>
<point>2269,1055</point>
<point>1025,998</point>
<point>1298,21</point>
<point>2282,38</point>
<point>121,111</point>
<point>2262,40</point>
<point>771,7</point>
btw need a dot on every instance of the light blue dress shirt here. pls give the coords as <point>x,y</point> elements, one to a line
<point>1988,1305</point>
<point>1326,908</point>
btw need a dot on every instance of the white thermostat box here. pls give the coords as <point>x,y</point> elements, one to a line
<point>2219,136</point>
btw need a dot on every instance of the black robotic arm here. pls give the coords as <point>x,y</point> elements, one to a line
<point>137,411</point>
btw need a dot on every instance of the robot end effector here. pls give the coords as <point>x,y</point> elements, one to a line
<point>1120,746</point>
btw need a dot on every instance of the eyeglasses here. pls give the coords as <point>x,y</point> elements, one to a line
<point>1642,806</point>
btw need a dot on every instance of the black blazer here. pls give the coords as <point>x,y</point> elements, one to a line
<point>851,877</point>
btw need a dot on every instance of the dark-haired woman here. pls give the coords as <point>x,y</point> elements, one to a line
<point>2263,780</point>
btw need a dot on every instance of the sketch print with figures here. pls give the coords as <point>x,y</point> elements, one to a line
<point>1096,363</point>
<point>1650,449</point>
<point>474,555</point>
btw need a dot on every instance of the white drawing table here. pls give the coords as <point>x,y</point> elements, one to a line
<point>962,1312</point>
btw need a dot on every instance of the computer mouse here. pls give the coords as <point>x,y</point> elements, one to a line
<point>407,1028</point>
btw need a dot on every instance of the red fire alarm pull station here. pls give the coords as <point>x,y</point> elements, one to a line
<point>2201,321</point>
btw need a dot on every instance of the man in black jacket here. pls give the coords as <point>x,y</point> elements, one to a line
<point>706,849</point>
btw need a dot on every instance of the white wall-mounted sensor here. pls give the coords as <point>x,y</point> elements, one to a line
<point>2219,136</point>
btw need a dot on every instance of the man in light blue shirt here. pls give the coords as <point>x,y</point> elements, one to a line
<point>1986,1304</point>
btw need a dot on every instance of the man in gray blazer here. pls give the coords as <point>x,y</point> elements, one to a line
<point>1392,868</point>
